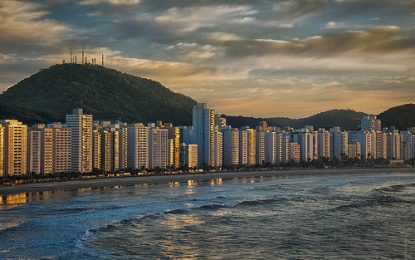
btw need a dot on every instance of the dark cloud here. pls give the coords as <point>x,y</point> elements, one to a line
<point>381,40</point>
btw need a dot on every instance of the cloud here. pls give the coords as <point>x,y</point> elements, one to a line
<point>223,36</point>
<point>333,25</point>
<point>110,2</point>
<point>188,19</point>
<point>25,27</point>
<point>379,40</point>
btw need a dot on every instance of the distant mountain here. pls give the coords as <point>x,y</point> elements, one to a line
<point>106,93</point>
<point>346,119</point>
<point>401,117</point>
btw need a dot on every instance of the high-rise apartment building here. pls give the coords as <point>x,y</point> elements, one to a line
<point>2,151</point>
<point>96,148</point>
<point>15,147</point>
<point>188,155</point>
<point>381,145</point>
<point>138,142</point>
<point>394,145</point>
<point>81,131</point>
<point>270,147</point>
<point>355,150</point>
<point>204,133</point>
<point>324,144</point>
<point>40,149</point>
<point>243,147</point>
<point>371,123</point>
<point>306,141</point>
<point>294,152</point>
<point>407,145</point>
<point>339,143</point>
<point>230,146</point>
<point>260,147</point>
<point>251,146</point>
<point>158,148</point>
<point>62,149</point>
<point>174,145</point>
<point>217,149</point>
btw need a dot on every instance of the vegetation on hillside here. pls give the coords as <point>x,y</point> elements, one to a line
<point>106,93</point>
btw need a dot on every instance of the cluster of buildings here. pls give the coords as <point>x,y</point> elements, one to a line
<point>82,145</point>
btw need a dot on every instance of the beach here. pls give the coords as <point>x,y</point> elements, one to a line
<point>128,181</point>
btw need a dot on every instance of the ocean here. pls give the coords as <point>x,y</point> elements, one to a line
<point>294,217</point>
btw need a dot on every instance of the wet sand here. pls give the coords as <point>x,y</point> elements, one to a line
<point>128,181</point>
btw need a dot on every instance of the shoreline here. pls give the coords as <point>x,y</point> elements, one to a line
<point>129,181</point>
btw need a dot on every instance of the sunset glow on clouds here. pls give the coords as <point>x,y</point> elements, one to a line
<point>257,58</point>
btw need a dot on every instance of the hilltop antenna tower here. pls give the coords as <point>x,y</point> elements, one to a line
<point>102,59</point>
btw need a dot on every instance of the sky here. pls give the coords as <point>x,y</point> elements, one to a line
<point>255,58</point>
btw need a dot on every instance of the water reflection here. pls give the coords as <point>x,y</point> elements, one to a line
<point>183,247</point>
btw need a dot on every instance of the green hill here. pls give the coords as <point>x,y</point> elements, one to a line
<point>401,117</point>
<point>346,119</point>
<point>106,93</point>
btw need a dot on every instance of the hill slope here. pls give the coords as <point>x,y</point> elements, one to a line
<point>106,93</point>
<point>346,119</point>
<point>401,117</point>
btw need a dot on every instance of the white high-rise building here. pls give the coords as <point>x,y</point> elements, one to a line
<point>188,155</point>
<point>218,149</point>
<point>339,143</point>
<point>81,131</point>
<point>371,123</point>
<point>1,151</point>
<point>40,149</point>
<point>381,145</point>
<point>62,139</point>
<point>367,140</point>
<point>243,147</point>
<point>270,147</point>
<point>138,142</point>
<point>230,138</point>
<point>260,147</point>
<point>159,148</point>
<point>394,145</point>
<point>203,132</point>
<point>324,144</point>
<point>306,141</point>
<point>251,146</point>
<point>407,145</point>
<point>15,147</point>
<point>285,148</point>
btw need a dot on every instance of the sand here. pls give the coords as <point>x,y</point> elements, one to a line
<point>128,181</point>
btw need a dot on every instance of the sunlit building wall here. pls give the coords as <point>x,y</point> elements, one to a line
<point>243,147</point>
<point>188,155</point>
<point>324,144</point>
<point>251,146</point>
<point>294,152</point>
<point>381,145</point>
<point>339,143</point>
<point>34,147</point>
<point>81,130</point>
<point>1,151</point>
<point>230,146</point>
<point>138,142</point>
<point>394,145</point>
<point>270,147</point>
<point>96,149</point>
<point>260,147</point>
<point>203,132</point>
<point>15,147</point>
<point>218,149</point>
<point>158,145</point>
<point>62,155</point>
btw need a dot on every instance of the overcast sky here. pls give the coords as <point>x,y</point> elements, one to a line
<point>257,58</point>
